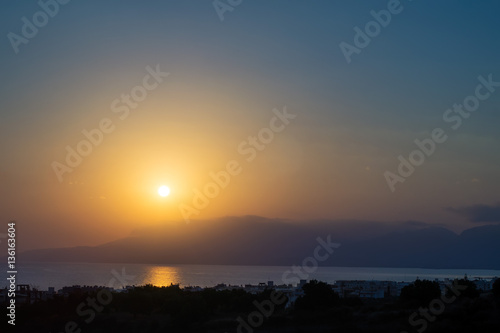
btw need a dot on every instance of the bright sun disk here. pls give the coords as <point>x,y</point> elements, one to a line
<point>163,191</point>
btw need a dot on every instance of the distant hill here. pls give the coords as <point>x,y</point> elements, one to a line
<point>255,240</point>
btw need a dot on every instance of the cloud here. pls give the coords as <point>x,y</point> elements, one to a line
<point>479,213</point>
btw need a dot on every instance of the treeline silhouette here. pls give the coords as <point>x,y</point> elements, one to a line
<point>172,309</point>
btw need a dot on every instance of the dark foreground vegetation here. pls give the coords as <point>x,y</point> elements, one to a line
<point>420,308</point>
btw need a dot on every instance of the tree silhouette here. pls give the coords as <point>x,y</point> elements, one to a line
<point>317,295</point>
<point>421,292</point>
<point>496,288</point>
<point>469,292</point>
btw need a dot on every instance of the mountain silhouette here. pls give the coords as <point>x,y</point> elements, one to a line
<point>253,240</point>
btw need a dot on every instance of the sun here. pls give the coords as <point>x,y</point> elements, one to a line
<point>163,191</point>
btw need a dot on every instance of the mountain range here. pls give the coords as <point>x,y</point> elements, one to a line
<point>253,240</point>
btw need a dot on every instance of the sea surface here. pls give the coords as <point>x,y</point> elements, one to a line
<point>57,275</point>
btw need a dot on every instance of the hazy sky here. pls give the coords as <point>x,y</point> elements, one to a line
<point>352,118</point>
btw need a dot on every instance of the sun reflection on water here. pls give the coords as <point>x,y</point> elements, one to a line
<point>162,276</point>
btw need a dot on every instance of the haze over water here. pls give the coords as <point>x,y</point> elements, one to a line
<point>57,275</point>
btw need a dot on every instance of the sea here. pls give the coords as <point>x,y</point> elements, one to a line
<point>57,275</point>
